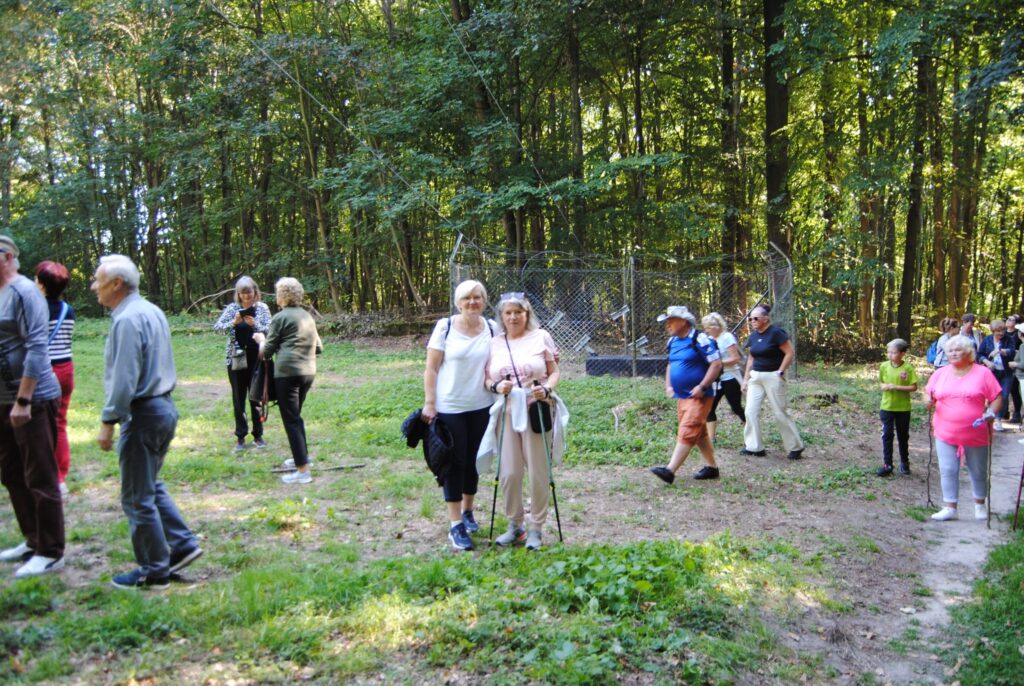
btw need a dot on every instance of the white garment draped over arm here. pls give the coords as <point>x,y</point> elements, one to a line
<point>520,422</point>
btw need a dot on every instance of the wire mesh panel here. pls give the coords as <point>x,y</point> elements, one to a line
<point>603,313</point>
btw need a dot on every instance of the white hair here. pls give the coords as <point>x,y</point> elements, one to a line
<point>120,267</point>
<point>961,342</point>
<point>466,288</point>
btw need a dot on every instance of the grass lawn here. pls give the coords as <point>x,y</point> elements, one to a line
<point>350,579</point>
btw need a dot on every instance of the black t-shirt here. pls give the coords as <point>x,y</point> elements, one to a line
<point>766,348</point>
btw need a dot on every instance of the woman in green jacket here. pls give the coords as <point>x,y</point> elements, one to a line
<point>293,342</point>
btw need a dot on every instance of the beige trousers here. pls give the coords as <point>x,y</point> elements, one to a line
<point>522,453</point>
<point>772,386</point>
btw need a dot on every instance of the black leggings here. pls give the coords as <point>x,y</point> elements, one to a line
<point>730,388</point>
<point>467,429</point>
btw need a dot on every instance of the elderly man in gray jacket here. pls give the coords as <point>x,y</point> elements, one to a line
<point>138,380</point>
<point>29,397</point>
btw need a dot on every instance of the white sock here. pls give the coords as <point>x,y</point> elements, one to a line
<point>456,523</point>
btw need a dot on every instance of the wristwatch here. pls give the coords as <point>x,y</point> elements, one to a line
<point>23,402</point>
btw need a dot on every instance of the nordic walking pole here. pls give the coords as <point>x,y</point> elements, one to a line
<point>497,467</point>
<point>988,480</point>
<point>551,475</point>
<point>1020,486</point>
<point>931,453</point>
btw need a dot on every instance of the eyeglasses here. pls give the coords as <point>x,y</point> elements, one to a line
<point>513,295</point>
<point>754,319</point>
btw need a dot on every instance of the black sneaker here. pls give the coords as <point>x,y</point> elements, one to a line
<point>884,470</point>
<point>905,468</point>
<point>181,560</point>
<point>459,537</point>
<point>755,453</point>
<point>138,579</point>
<point>795,454</point>
<point>706,472</point>
<point>663,473</point>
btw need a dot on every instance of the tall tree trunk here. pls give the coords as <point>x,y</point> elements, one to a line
<point>639,180</point>
<point>731,182</point>
<point>936,162</point>
<point>579,207</point>
<point>831,138</point>
<point>322,229</point>
<point>868,207</point>
<point>911,247</point>
<point>776,104</point>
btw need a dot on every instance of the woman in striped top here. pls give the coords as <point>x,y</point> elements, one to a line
<point>52,279</point>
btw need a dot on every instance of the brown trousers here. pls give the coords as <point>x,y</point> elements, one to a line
<point>28,469</point>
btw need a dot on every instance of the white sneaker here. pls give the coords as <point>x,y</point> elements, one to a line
<point>290,463</point>
<point>15,554</point>
<point>998,426</point>
<point>980,511</point>
<point>38,564</point>
<point>945,514</point>
<point>298,477</point>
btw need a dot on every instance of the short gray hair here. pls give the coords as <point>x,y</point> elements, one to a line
<point>247,282</point>
<point>464,289</point>
<point>962,342</point>
<point>509,299</point>
<point>290,291</point>
<point>120,267</point>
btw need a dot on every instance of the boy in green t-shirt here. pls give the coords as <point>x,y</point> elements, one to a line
<point>898,380</point>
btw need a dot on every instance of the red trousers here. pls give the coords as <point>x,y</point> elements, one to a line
<point>65,372</point>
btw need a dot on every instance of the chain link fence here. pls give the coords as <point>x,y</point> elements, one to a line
<point>603,313</point>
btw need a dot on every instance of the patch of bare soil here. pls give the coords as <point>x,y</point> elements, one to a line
<point>892,573</point>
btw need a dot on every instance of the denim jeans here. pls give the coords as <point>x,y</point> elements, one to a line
<point>155,524</point>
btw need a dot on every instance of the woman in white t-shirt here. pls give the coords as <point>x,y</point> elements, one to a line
<point>729,381</point>
<point>454,393</point>
<point>522,355</point>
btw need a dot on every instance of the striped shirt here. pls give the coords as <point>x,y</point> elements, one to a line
<point>60,344</point>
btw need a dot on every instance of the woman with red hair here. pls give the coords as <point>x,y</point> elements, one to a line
<point>52,279</point>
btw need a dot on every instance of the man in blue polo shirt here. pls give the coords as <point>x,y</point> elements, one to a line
<point>694,364</point>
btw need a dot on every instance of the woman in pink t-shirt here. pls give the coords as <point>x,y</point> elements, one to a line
<point>961,393</point>
<point>522,355</point>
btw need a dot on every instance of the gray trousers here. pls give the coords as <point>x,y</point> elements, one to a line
<point>976,458</point>
<point>154,521</point>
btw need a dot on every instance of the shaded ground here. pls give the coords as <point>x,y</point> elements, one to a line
<point>891,576</point>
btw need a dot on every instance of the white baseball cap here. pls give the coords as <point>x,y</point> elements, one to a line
<point>679,312</point>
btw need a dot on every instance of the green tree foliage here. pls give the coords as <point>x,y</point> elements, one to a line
<point>348,143</point>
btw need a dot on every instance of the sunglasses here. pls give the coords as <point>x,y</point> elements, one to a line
<point>754,319</point>
<point>513,295</point>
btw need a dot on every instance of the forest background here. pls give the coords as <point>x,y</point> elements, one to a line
<point>348,142</point>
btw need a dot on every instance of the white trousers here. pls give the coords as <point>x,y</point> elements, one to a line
<point>773,387</point>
